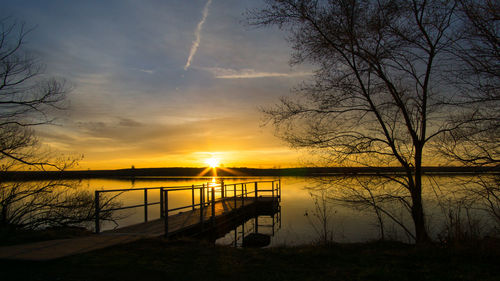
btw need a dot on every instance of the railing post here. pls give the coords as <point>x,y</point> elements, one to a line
<point>192,196</point>
<point>279,189</point>
<point>202,203</point>
<point>242,196</point>
<point>166,213</point>
<point>161,204</point>
<point>272,189</point>
<point>234,191</point>
<point>207,199</point>
<point>256,195</point>
<point>202,195</point>
<point>96,199</point>
<point>145,205</point>
<point>222,189</point>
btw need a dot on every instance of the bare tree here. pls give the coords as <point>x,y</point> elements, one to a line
<point>477,79</point>
<point>380,94</point>
<point>27,97</point>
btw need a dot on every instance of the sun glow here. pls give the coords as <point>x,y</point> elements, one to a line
<point>213,162</point>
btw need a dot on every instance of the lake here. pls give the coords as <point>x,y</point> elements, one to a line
<point>448,202</point>
<point>338,207</point>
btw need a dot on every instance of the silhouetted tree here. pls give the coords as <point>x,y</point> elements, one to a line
<point>477,79</point>
<point>27,98</point>
<point>381,93</point>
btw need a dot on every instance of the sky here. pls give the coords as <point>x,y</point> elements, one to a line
<point>161,83</point>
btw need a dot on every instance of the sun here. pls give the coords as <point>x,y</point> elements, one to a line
<point>213,162</point>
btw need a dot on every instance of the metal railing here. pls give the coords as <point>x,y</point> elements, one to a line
<point>207,197</point>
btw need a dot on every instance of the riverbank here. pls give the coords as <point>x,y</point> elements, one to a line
<point>157,259</point>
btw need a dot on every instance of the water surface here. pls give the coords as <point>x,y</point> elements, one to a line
<point>301,208</point>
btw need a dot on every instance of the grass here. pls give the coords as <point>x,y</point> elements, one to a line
<point>12,236</point>
<point>157,259</point>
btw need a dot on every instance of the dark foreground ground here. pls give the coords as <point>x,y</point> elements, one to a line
<point>156,259</point>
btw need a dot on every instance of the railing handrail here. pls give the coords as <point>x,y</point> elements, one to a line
<point>182,187</point>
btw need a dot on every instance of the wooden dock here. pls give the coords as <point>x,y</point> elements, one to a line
<point>214,203</point>
<point>210,215</point>
<point>189,222</point>
<point>227,218</point>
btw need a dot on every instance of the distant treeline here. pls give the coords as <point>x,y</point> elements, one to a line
<point>191,172</point>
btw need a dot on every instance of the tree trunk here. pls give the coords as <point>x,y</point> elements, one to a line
<point>417,213</point>
<point>417,210</point>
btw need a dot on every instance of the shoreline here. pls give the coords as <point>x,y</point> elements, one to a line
<point>236,172</point>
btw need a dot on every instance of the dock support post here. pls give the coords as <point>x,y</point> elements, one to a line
<point>96,199</point>
<point>235,234</point>
<point>192,196</point>
<point>145,205</point>
<point>161,204</point>
<point>166,213</point>
<point>213,205</point>
<point>273,223</point>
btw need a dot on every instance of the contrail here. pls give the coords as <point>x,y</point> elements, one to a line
<point>197,34</point>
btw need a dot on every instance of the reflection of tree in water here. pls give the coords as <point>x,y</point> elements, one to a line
<point>42,204</point>
<point>490,192</point>
<point>374,195</point>
<point>460,208</point>
<point>320,217</point>
<point>470,210</point>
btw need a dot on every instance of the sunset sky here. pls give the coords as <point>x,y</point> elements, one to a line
<point>160,83</point>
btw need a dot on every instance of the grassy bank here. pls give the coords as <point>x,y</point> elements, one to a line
<point>156,259</point>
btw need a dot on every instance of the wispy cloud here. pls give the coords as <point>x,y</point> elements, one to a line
<point>229,73</point>
<point>197,35</point>
<point>149,71</point>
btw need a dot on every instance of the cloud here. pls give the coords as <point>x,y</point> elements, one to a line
<point>197,35</point>
<point>147,71</point>
<point>127,122</point>
<point>229,73</point>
